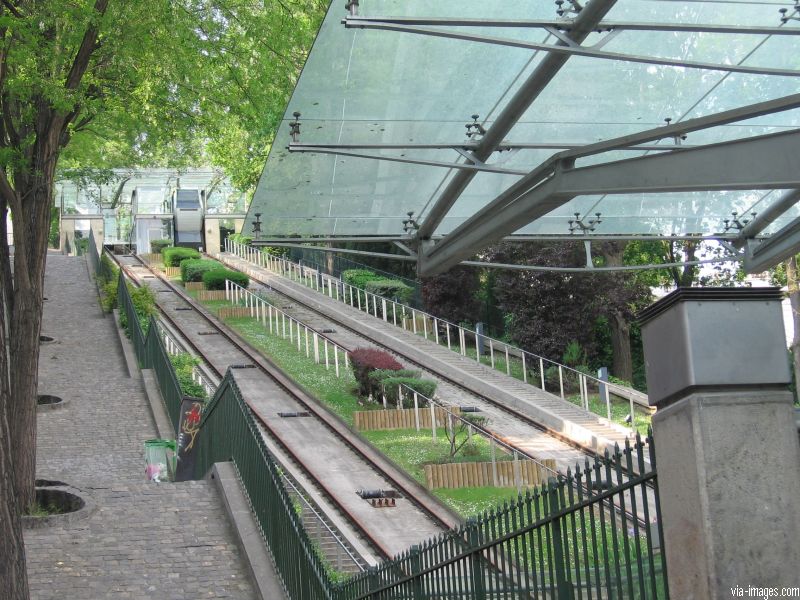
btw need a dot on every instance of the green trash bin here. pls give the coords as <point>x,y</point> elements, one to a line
<point>159,456</point>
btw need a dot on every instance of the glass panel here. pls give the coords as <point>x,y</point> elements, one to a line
<point>373,88</point>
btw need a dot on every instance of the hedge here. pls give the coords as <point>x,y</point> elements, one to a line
<point>391,289</point>
<point>156,246</point>
<point>359,277</point>
<point>215,280</point>
<point>193,269</point>
<point>173,256</point>
<point>378,376</point>
<point>364,361</point>
<point>425,387</point>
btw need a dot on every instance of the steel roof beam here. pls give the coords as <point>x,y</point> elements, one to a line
<point>579,50</point>
<point>763,162</point>
<point>550,65</point>
<point>766,217</point>
<point>366,22</point>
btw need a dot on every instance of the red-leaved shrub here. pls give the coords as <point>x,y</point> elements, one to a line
<point>366,360</point>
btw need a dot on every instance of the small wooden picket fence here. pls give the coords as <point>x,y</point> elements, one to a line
<point>210,295</point>
<point>194,286</point>
<point>228,312</point>
<point>404,418</point>
<point>154,260</point>
<point>172,271</point>
<point>506,473</point>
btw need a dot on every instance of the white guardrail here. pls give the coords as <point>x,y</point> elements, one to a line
<point>277,322</point>
<point>531,368</point>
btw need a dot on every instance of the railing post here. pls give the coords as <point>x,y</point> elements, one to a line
<point>416,567</point>
<point>541,371</point>
<point>433,420</point>
<point>561,382</point>
<point>416,410</point>
<point>476,568</point>
<point>564,589</point>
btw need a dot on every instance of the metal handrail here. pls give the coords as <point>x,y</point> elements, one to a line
<point>380,306</point>
<point>261,310</point>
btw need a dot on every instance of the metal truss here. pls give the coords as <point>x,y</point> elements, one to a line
<point>527,93</point>
<point>762,162</point>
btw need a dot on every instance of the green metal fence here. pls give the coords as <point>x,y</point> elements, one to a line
<point>229,433</point>
<point>587,535</point>
<point>151,352</point>
<point>592,534</point>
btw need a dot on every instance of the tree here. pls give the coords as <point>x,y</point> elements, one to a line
<point>452,295</point>
<point>116,84</point>
<point>547,310</point>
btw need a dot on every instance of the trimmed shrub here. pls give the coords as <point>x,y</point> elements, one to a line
<point>359,277</point>
<point>391,289</point>
<point>378,376</point>
<point>156,246</point>
<point>215,279</point>
<point>425,387</point>
<point>364,361</point>
<point>193,269</point>
<point>173,256</point>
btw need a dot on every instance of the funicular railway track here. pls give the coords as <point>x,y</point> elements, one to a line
<point>566,451</point>
<point>497,564</point>
<point>219,348</point>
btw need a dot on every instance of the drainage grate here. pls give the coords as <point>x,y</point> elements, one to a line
<point>242,367</point>
<point>470,409</point>
<point>165,291</point>
<point>184,308</point>
<point>290,414</point>
<point>328,331</point>
<point>208,333</point>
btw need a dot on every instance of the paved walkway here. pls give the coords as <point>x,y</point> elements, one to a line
<point>145,540</point>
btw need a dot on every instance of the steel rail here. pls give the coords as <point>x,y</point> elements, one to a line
<point>416,495</point>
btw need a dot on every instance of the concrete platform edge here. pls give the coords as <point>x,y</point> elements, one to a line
<point>254,551</point>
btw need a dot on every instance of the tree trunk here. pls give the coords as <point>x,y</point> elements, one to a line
<point>620,328</point>
<point>13,574</point>
<point>622,366</point>
<point>794,300</point>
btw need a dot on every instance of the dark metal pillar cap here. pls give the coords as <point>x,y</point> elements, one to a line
<point>713,339</point>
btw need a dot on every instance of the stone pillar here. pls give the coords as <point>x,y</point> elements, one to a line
<point>726,442</point>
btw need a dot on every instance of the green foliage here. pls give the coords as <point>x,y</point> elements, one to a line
<point>81,246</point>
<point>173,256</point>
<point>390,288</point>
<point>574,354</point>
<point>215,279</point>
<point>193,269</point>
<point>53,237</point>
<point>277,251</point>
<point>184,363</point>
<point>240,238</point>
<point>377,377</point>
<point>156,246</point>
<point>144,304</point>
<point>359,277</point>
<point>108,298</point>
<point>364,361</point>
<point>391,387</point>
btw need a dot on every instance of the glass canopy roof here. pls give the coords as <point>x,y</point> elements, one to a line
<point>410,95</point>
